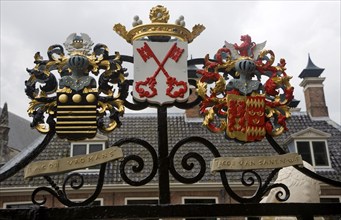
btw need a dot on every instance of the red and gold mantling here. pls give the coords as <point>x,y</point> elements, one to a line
<point>251,108</point>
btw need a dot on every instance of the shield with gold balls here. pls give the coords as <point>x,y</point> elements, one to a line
<point>76,115</point>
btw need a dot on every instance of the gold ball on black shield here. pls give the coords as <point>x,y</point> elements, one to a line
<point>90,98</point>
<point>63,98</point>
<point>77,98</point>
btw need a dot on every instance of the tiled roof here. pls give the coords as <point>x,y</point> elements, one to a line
<point>20,133</point>
<point>145,127</point>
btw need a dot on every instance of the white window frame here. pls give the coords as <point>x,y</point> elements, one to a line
<point>87,143</point>
<point>199,197</point>
<point>332,197</point>
<point>101,200</point>
<point>139,198</point>
<point>312,152</point>
<point>4,205</point>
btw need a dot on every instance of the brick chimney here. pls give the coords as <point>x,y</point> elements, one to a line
<point>313,90</point>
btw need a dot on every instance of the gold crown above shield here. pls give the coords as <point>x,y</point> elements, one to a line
<point>159,17</point>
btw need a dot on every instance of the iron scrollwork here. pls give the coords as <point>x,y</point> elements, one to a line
<point>262,189</point>
<point>248,178</point>
<point>76,182</point>
<point>139,160</point>
<point>252,178</point>
<point>191,155</point>
<point>251,110</point>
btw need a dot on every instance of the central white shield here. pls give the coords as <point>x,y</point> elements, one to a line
<point>160,72</point>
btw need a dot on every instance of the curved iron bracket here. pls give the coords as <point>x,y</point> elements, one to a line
<point>25,157</point>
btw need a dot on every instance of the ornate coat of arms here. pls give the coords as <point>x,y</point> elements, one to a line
<point>75,100</point>
<point>251,107</point>
<point>160,57</point>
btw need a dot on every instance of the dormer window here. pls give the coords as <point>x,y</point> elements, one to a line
<point>312,145</point>
<point>313,152</point>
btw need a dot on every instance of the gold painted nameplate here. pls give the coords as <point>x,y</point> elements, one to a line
<point>250,163</point>
<point>66,164</point>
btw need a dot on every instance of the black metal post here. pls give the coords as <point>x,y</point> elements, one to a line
<point>164,192</point>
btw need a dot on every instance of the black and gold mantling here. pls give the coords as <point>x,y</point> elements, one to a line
<point>76,103</point>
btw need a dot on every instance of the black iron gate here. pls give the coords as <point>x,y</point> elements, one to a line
<point>163,165</point>
<point>162,162</point>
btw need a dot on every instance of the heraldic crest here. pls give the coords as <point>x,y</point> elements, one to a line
<point>76,100</point>
<point>160,57</point>
<point>251,107</point>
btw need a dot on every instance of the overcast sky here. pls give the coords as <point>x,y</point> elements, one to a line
<point>292,30</point>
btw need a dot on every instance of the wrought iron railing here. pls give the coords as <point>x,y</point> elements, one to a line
<point>163,165</point>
